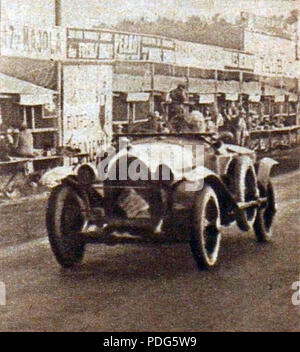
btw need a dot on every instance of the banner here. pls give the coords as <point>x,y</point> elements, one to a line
<point>254,98</point>
<point>89,44</point>
<point>232,96</point>
<point>136,97</point>
<point>127,46</point>
<point>33,42</point>
<point>199,55</point>
<point>273,55</point>
<point>206,98</point>
<point>238,60</point>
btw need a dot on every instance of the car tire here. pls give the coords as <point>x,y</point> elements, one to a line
<point>64,217</point>
<point>265,215</point>
<point>205,235</point>
<point>243,185</point>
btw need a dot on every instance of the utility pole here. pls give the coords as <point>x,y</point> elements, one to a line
<point>58,12</point>
<point>59,77</point>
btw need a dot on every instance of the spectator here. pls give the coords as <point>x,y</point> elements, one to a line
<point>210,126</point>
<point>241,131</point>
<point>161,125</point>
<point>196,121</point>
<point>4,149</point>
<point>178,96</point>
<point>219,120</point>
<point>24,143</point>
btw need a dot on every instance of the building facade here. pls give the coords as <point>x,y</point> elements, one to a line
<point>87,80</point>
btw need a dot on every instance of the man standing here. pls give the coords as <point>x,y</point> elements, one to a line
<point>178,97</point>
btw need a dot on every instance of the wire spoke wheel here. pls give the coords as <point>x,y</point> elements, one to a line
<point>265,215</point>
<point>64,219</point>
<point>243,185</point>
<point>205,235</point>
<point>250,194</point>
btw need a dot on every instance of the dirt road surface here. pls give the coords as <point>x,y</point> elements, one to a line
<point>152,288</point>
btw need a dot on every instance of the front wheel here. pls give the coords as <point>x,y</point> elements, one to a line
<point>64,218</point>
<point>265,215</point>
<point>205,235</point>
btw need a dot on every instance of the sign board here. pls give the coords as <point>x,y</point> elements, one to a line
<point>87,108</point>
<point>199,55</point>
<point>254,98</point>
<point>279,99</point>
<point>33,42</point>
<point>238,60</point>
<point>89,44</point>
<point>127,46</point>
<point>103,44</point>
<point>206,98</point>
<point>157,49</point>
<point>35,99</point>
<point>293,97</point>
<point>232,96</point>
<point>273,55</point>
<point>136,97</point>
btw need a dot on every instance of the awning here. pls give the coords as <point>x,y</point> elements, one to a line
<point>273,91</point>
<point>251,88</point>
<point>131,83</point>
<point>232,97</point>
<point>202,86</point>
<point>293,97</point>
<point>137,97</point>
<point>167,83</point>
<point>279,99</point>
<point>254,98</point>
<point>206,98</point>
<point>31,100</point>
<point>30,94</point>
<point>228,87</point>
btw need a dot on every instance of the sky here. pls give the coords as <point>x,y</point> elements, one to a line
<point>93,12</point>
<point>89,13</point>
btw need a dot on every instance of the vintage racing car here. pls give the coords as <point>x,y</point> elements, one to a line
<point>162,187</point>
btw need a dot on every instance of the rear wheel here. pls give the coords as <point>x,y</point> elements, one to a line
<point>243,185</point>
<point>205,235</point>
<point>64,218</point>
<point>265,215</point>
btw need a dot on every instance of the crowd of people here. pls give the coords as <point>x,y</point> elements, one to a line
<point>210,120</point>
<point>233,119</point>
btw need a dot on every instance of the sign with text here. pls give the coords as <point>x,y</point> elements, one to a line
<point>127,46</point>
<point>89,44</point>
<point>199,55</point>
<point>156,49</point>
<point>238,60</point>
<point>43,43</point>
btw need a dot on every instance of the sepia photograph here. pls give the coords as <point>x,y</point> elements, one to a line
<point>149,168</point>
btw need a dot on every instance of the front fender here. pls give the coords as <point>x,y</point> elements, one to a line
<point>194,179</point>
<point>264,168</point>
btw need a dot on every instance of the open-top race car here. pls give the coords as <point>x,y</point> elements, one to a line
<point>162,187</point>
